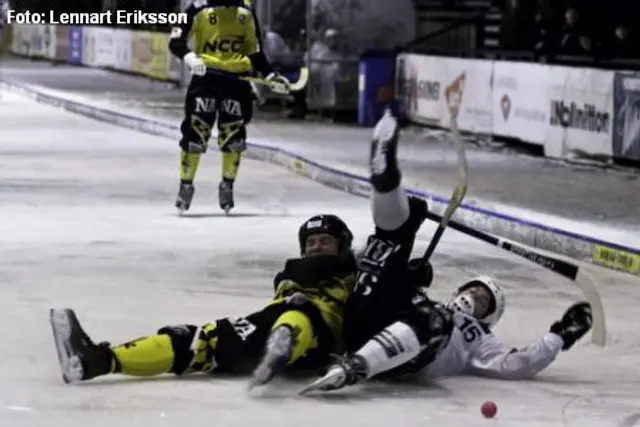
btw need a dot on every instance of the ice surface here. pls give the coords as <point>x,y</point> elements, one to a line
<point>86,221</point>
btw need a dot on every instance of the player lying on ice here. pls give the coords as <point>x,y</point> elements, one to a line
<point>392,329</point>
<point>300,327</point>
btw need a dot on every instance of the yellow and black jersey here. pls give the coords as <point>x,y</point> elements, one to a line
<point>326,281</point>
<point>224,33</point>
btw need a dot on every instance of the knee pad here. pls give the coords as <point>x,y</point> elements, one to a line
<point>232,137</point>
<point>196,133</point>
<point>433,325</point>
<point>321,328</point>
<point>193,147</point>
<point>181,339</point>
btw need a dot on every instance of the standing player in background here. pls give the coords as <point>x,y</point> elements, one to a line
<point>226,43</point>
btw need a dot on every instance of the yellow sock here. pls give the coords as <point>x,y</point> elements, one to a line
<point>303,338</point>
<point>230,165</point>
<point>145,357</point>
<point>188,165</point>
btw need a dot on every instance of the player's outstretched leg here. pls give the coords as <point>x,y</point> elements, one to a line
<point>390,205</point>
<point>404,347</point>
<point>220,346</point>
<point>200,114</point>
<point>235,112</point>
<point>81,359</point>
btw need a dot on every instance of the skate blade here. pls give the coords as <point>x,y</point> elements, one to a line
<point>333,380</point>
<point>62,326</point>
<point>316,386</point>
<point>310,389</point>
<point>181,208</point>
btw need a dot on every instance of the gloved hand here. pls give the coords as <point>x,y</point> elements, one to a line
<point>278,83</point>
<point>575,322</point>
<point>195,64</point>
<point>297,299</point>
<point>420,273</point>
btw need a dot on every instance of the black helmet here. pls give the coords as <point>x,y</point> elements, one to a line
<point>329,224</point>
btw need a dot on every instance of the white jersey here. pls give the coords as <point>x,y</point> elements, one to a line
<point>474,350</point>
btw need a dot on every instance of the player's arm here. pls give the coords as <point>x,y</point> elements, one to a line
<point>331,275</point>
<point>496,360</point>
<point>179,38</point>
<point>253,47</point>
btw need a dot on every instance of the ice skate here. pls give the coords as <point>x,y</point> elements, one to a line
<point>185,195</point>
<point>344,372</point>
<point>80,359</point>
<point>225,196</point>
<point>383,165</point>
<point>277,354</point>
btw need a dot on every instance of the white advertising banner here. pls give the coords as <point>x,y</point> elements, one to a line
<point>89,46</point>
<point>19,39</point>
<point>470,81</point>
<point>580,112</point>
<point>36,40</point>
<point>105,47</point>
<point>425,83</point>
<point>123,49</point>
<point>48,39</point>
<point>420,88</point>
<point>568,111</point>
<point>521,101</point>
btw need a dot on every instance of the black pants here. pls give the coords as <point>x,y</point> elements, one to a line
<point>212,97</point>
<point>236,344</point>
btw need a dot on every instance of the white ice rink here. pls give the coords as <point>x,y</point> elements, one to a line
<point>87,221</point>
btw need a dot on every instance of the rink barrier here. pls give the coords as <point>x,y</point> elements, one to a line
<point>578,246</point>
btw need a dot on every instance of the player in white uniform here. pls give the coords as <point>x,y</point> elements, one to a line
<point>472,348</point>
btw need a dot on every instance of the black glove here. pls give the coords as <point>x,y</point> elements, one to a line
<point>575,322</point>
<point>420,273</point>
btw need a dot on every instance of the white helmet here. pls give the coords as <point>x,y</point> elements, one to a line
<point>464,302</point>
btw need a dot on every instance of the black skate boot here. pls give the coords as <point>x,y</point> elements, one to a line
<point>345,371</point>
<point>80,359</point>
<point>277,353</point>
<point>225,195</point>
<point>383,164</point>
<point>185,195</point>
